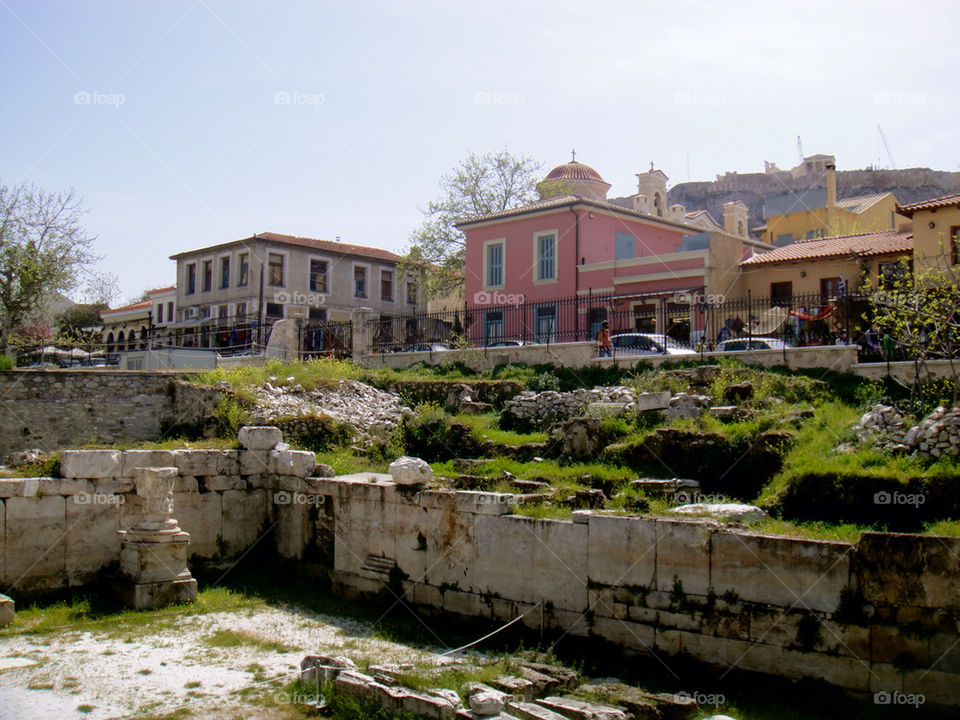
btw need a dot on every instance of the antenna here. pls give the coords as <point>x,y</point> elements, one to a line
<point>886,145</point>
<point>799,150</point>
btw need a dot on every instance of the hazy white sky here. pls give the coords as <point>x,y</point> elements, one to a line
<point>184,124</point>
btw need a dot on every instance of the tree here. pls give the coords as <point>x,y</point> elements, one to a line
<point>71,323</point>
<point>920,310</point>
<point>480,184</point>
<point>43,248</point>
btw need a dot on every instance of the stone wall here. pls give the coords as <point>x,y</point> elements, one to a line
<point>61,408</point>
<point>57,533</point>
<point>582,354</point>
<point>881,615</point>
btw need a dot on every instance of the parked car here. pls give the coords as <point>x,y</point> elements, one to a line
<point>504,343</point>
<point>425,347</point>
<point>756,343</point>
<point>648,344</point>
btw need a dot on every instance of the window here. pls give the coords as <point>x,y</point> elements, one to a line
<point>224,273</point>
<point>207,275</point>
<point>318,276</point>
<point>191,278</point>
<point>545,323</point>
<point>359,281</point>
<point>831,288</point>
<point>244,270</point>
<point>495,265</point>
<point>318,313</point>
<point>274,310</point>
<point>546,257</point>
<point>241,311</point>
<point>492,324</point>
<point>159,313</point>
<point>170,311</point>
<point>781,293</point>
<point>811,234</point>
<point>275,265</point>
<point>784,239</point>
<point>411,292</point>
<point>626,246</point>
<point>954,241</point>
<point>386,285</point>
<point>222,313</point>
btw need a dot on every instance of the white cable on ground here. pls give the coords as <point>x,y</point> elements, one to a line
<point>464,647</point>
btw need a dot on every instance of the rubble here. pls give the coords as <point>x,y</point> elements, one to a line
<point>360,405</point>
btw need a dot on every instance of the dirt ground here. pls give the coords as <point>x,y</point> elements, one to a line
<point>217,665</point>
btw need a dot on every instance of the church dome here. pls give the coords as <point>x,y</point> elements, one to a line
<point>573,178</point>
<point>574,171</point>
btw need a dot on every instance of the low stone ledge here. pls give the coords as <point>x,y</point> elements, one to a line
<point>133,459</point>
<point>90,463</point>
<point>197,462</point>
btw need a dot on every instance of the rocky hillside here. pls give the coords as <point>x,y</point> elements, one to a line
<point>910,185</point>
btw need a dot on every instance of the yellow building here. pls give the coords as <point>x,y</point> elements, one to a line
<point>817,213</point>
<point>936,226</point>
<point>821,269</point>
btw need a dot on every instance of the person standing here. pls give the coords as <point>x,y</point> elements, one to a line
<point>603,339</point>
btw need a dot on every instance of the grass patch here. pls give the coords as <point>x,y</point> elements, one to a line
<point>233,638</point>
<point>486,427</point>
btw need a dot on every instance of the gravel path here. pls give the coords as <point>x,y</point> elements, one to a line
<point>103,674</point>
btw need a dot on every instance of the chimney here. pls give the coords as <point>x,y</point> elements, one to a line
<point>831,184</point>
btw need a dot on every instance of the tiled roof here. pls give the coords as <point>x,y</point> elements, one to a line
<point>939,202</point>
<point>328,246</point>
<point>564,201</point>
<point>862,202</point>
<point>143,305</point>
<point>158,291</point>
<point>864,244</point>
<point>574,171</point>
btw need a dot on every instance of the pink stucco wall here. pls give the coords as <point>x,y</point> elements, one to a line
<point>597,244</point>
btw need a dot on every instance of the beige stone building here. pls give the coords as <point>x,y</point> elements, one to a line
<point>936,232</point>
<point>130,326</point>
<point>268,276</point>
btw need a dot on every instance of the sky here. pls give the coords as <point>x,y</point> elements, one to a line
<point>184,123</point>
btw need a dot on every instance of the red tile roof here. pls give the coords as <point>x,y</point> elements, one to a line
<point>864,244</point>
<point>574,171</point>
<point>143,305</point>
<point>328,246</point>
<point>157,291</point>
<point>939,202</point>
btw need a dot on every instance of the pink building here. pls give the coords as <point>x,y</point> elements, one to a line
<point>555,269</point>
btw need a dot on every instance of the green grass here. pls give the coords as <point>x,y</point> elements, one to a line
<point>544,511</point>
<point>233,638</point>
<point>485,427</point>
<point>99,615</point>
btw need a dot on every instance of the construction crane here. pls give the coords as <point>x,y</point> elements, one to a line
<point>886,145</point>
<point>799,150</point>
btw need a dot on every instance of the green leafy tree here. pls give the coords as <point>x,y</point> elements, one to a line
<point>43,249</point>
<point>920,310</point>
<point>480,184</point>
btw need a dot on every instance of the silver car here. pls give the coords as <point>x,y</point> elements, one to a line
<point>756,343</point>
<point>648,344</point>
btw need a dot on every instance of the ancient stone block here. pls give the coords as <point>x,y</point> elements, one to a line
<point>91,541</point>
<point>36,543</point>
<point>7,610</point>
<point>198,514</point>
<point>842,671</point>
<point>133,459</point>
<point>260,438</point>
<point>197,462</point>
<point>621,551</point>
<point>781,571</point>
<point>254,462</point>
<point>90,463</point>
<point>219,483</point>
<point>683,556</point>
<point>244,519</point>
